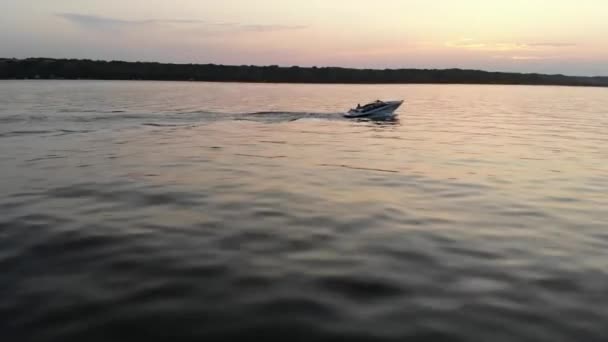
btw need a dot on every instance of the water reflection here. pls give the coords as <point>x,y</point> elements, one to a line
<point>156,211</point>
<point>382,122</point>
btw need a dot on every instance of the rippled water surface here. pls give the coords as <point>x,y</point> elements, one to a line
<point>150,211</point>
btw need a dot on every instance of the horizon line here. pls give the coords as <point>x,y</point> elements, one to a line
<point>304,67</point>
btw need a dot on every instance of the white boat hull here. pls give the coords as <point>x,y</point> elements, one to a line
<point>386,111</point>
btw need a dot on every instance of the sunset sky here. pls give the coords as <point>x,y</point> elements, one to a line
<point>553,36</point>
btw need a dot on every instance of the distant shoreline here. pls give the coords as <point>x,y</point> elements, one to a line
<point>71,69</point>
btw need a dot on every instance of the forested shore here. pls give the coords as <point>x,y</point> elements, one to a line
<point>47,68</point>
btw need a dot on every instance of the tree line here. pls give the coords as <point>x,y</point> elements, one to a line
<point>48,68</point>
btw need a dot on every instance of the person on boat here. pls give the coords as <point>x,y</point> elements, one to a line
<point>358,106</point>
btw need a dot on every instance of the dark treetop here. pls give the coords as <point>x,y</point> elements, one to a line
<point>46,68</point>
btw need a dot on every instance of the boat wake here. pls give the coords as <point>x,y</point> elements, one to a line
<point>282,116</point>
<point>82,121</point>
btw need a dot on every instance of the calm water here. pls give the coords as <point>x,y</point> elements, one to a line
<point>151,211</point>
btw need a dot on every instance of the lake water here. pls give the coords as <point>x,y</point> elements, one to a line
<point>167,211</point>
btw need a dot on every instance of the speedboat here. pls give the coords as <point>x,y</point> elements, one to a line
<point>374,110</point>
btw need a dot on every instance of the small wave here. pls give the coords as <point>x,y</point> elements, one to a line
<point>73,131</point>
<point>259,156</point>
<point>40,132</point>
<point>359,168</point>
<point>109,117</point>
<point>31,132</point>
<point>24,132</point>
<point>163,124</point>
<point>90,111</point>
<point>119,192</point>
<point>273,142</point>
<point>50,156</point>
<point>195,112</point>
<point>360,288</point>
<point>12,119</point>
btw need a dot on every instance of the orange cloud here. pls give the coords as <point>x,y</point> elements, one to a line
<point>472,44</point>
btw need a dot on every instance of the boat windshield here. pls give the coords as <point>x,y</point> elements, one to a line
<point>372,105</point>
